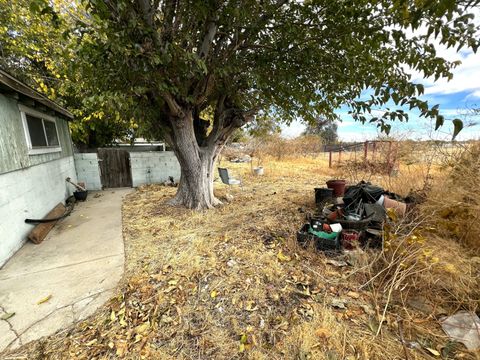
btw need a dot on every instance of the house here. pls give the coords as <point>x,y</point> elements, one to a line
<point>36,155</point>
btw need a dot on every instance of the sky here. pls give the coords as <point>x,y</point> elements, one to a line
<point>454,97</point>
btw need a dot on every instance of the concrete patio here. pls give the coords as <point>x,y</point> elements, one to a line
<point>74,271</point>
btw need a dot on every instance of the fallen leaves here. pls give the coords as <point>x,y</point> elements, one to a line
<point>282,257</point>
<point>250,306</point>
<point>122,348</point>
<point>142,328</point>
<point>353,295</point>
<point>323,333</point>
<point>92,342</point>
<point>247,340</point>
<point>7,316</point>
<point>44,300</point>
<point>339,303</point>
<point>433,352</point>
<point>337,263</point>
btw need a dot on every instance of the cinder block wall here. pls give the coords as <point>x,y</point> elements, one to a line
<point>88,170</point>
<point>30,193</point>
<point>153,167</point>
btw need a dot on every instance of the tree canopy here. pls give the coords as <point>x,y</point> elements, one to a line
<point>37,47</point>
<point>193,71</point>
<point>288,58</point>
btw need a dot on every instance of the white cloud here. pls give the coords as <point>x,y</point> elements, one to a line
<point>296,128</point>
<point>475,94</point>
<point>466,77</point>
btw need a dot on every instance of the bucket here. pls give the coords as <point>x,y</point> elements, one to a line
<point>338,187</point>
<point>258,171</point>
<point>80,195</point>
<point>399,207</point>
<point>322,194</point>
<point>350,239</point>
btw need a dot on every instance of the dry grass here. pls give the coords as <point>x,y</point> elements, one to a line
<point>233,283</point>
<point>455,198</point>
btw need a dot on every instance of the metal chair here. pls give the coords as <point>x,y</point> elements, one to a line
<point>227,179</point>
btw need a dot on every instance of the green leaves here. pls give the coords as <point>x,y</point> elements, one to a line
<point>298,60</point>
<point>439,121</point>
<point>457,127</point>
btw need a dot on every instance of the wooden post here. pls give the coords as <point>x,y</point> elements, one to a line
<point>365,151</point>
<point>340,156</point>
<point>374,150</point>
<point>330,159</point>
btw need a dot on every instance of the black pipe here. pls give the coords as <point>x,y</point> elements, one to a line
<point>70,202</point>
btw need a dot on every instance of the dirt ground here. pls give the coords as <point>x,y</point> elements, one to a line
<point>232,282</point>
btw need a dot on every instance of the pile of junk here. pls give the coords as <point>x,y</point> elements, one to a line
<point>349,217</point>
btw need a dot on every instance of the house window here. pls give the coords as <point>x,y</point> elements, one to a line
<point>40,131</point>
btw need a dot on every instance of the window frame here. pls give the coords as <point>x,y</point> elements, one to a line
<point>24,111</point>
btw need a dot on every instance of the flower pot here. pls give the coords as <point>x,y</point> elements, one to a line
<point>322,194</point>
<point>338,187</point>
<point>350,239</point>
<point>399,207</point>
<point>80,195</point>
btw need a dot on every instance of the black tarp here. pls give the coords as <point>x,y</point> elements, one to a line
<point>362,193</point>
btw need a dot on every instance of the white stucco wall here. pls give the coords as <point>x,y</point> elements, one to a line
<point>88,170</point>
<point>30,193</point>
<point>153,167</point>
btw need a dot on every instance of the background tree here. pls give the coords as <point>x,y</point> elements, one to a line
<point>177,61</point>
<point>325,129</point>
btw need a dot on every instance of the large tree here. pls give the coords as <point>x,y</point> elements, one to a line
<point>323,128</point>
<point>194,71</point>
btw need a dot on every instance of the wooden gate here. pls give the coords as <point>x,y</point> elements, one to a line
<point>115,168</point>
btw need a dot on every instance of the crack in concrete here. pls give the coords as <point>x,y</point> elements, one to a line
<point>63,307</point>
<point>12,329</point>
<point>19,335</point>
<point>59,267</point>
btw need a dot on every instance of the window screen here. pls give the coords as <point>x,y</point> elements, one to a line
<point>51,132</point>
<point>35,129</point>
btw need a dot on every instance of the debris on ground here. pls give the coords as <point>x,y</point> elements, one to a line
<point>350,217</point>
<point>170,182</point>
<point>232,282</point>
<point>336,263</point>
<point>242,159</point>
<point>464,327</point>
<point>44,300</point>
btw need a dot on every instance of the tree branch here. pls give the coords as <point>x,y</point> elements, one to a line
<point>146,11</point>
<point>169,9</point>
<point>204,49</point>
<point>175,109</point>
<point>227,122</point>
<point>254,29</point>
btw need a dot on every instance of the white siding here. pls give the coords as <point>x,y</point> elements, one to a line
<point>30,193</point>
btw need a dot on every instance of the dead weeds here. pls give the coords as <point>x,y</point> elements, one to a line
<point>232,283</point>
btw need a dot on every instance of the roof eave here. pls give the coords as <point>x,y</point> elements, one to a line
<point>16,85</point>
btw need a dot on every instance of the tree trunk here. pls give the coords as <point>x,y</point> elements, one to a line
<point>195,189</point>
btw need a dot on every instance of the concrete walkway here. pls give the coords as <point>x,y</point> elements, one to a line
<point>74,271</point>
